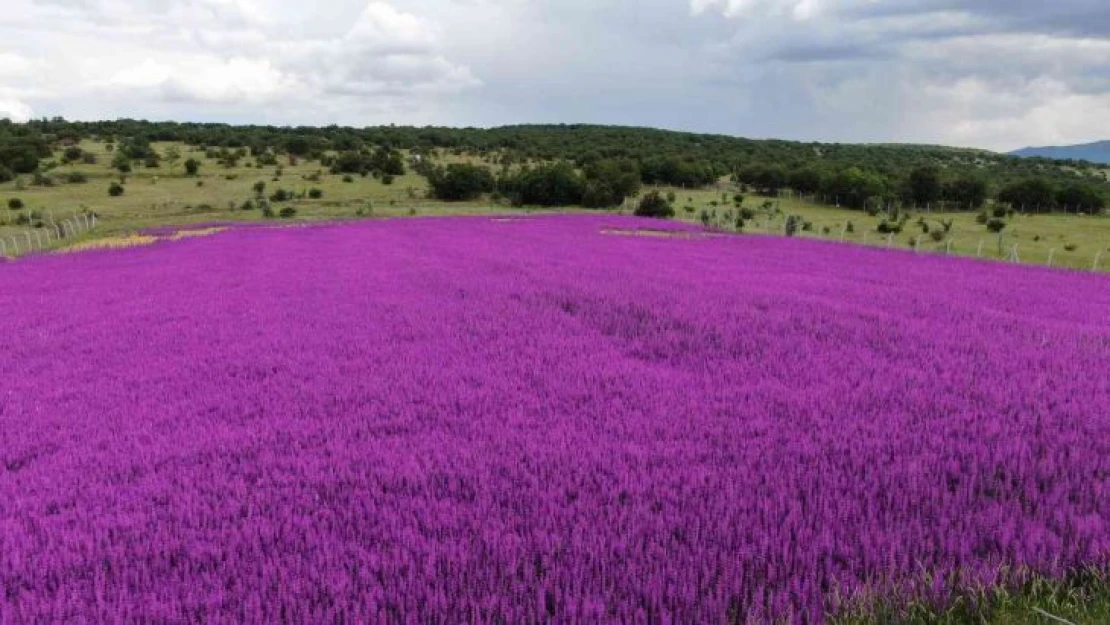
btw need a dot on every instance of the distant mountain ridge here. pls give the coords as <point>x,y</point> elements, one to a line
<point>1097,152</point>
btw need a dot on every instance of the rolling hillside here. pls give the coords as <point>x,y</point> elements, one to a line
<point>1098,152</point>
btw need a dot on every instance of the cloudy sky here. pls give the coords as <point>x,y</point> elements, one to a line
<point>987,73</point>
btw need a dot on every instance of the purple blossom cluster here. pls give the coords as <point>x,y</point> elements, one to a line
<point>547,419</point>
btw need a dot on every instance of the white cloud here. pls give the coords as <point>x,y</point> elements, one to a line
<point>13,109</point>
<point>976,72</point>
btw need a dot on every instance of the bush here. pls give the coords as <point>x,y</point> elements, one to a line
<point>999,212</point>
<point>1071,247</point>
<point>460,182</point>
<point>387,179</point>
<point>315,194</point>
<point>76,177</point>
<point>281,195</point>
<point>15,204</point>
<point>655,205</point>
<point>348,178</point>
<point>72,154</point>
<point>557,184</point>
<point>288,212</point>
<point>747,213</point>
<point>982,218</point>
<point>268,211</point>
<point>996,225</point>
<point>937,235</point>
<point>886,227</point>
<point>115,189</point>
<point>192,166</point>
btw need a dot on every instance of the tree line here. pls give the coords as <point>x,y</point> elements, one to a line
<point>595,165</point>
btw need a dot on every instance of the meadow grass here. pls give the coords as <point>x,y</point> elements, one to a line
<point>165,196</point>
<point>1076,239</point>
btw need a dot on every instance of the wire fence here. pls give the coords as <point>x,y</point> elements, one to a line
<point>992,248</point>
<point>48,235</point>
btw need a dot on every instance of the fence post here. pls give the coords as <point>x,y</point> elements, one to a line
<point>948,248</point>
<point>15,244</point>
<point>917,244</point>
<point>843,231</point>
<point>890,239</point>
<point>94,220</point>
<point>38,237</point>
<point>979,250</point>
<point>1014,255</point>
<point>866,234</point>
<point>30,246</point>
<point>1098,257</point>
<point>1051,253</point>
<point>3,248</point>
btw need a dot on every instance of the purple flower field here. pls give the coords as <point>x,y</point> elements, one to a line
<point>469,419</point>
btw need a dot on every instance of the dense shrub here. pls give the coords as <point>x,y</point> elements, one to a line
<point>996,225</point>
<point>72,154</point>
<point>556,184</point>
<point>1032,195</point>
<point>115,189</point>
<point>315,194</point>
<point>1080,197</point>
<point>609,183</point>
<point>459,182</point>
<point>654,205</point>
<point>15,204</point>
<point>288,212</point>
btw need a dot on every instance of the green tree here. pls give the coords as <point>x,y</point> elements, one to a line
<point>122,163</point>
<point>72,154</point>
<point>609,182</point>
<point>1080,197</point>
<point>460,182</point>
<point>1032,195</point>
<point>968,192</point>
<point>654,205</point>
<point>192,166</point>
<point>924,186</point>
<point>556,184</point>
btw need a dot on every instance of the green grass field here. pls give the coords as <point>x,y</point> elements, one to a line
<point>165,196</point>
<point>1073,240</point>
